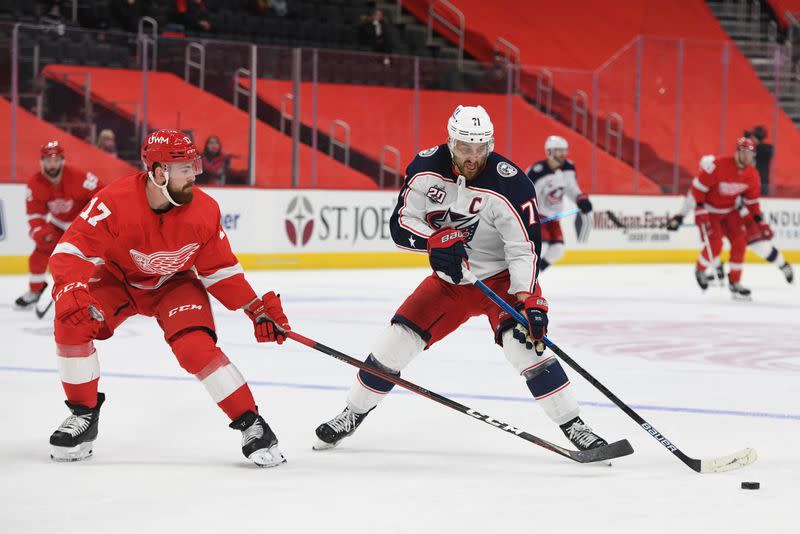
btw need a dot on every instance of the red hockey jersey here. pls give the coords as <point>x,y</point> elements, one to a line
<point>62,201</point>
<point>144,249</point>
<point>720,182</point>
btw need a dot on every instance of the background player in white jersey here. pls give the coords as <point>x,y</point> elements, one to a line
<point>759,238</point>
<point>462,203</point>
<point>554,177</point>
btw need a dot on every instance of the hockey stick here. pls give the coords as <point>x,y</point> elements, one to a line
<point>712,260</point>
<point>43,306</point>
<point>561,215</point>
<point>614,450</point>
<point>615,220</point>
<point>709,465</point>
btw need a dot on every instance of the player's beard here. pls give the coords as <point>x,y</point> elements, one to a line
<point>53,174</point>
<point>472,168</point>
<point>183,195</point>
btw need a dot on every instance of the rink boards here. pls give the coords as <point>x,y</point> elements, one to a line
<point>311,229</point>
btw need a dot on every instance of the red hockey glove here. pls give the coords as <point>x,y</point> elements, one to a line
<point>76,306</point>
<point>535,311</point>
<point>446,252</point>
<point>46,234</point>
<point>268,318</point>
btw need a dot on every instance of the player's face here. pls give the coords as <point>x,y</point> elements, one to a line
<point>52,167</point>
<point>181,180</point>
<point>745,157</point>
<point>556,156</point>
<point>470,158</point>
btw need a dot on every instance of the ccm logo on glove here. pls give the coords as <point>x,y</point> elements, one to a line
<point>69,287</point>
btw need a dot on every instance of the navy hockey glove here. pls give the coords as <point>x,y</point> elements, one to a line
<point>446,253</point>
<point>534,309</point>
<point>583,203</point>
<point>674,223</point>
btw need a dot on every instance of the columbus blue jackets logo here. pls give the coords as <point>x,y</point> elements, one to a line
<point>448,219</point>
<point>429,151</point>
<point>506,170</point>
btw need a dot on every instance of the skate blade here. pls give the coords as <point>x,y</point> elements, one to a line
<point>320,445</point>
<point>77,453</point>
<point>271,457</point>
<point>742,298</point>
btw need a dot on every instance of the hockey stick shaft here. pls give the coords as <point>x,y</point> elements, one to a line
<point>573,455</point>
<point>561,215</point>
<point>707,245</point>
<point>691,462</point>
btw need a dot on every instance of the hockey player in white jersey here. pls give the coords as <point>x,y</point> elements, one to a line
<point>554,177</point>
<point>464,204</point>
<point>759,238</point>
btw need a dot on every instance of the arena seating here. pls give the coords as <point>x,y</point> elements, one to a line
<point>370,131</point>
<point>36,132</point>
<point>780,7</point>
<point>177,104</point>
<point>575,35</point>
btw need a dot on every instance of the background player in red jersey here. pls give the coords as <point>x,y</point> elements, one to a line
<point>55,196</point>
<point>151,244</point>
<point>716,189</point>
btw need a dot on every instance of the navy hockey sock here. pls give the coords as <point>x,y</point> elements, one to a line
<point>373,382</point>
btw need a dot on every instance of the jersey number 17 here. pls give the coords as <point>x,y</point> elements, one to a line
<point>104,212</point>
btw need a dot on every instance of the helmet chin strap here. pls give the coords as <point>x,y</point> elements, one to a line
<point>163,188</point>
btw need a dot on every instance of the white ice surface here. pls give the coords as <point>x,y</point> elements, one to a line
<point>711,374</point>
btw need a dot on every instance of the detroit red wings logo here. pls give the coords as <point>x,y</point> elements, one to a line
<point>59,205</point>
<point>732,188</point>
<point>163,263</point>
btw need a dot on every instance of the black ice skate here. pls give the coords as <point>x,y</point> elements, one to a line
<point>28,299</point>
<point>702,279</point>
<point>259,443</point>
<point>73,439</point>
<point>739,292</point>
<point>721,274</point>
<point>787,271</point>
<point>581,435</point>
<point>331,433</point>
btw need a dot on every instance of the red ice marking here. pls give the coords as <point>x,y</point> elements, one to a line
<point>741,345</point>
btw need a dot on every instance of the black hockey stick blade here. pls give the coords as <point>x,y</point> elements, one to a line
<point>40,313</point>
<point>607,452</point>
<point>615,220</point>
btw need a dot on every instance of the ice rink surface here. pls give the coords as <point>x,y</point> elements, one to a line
<point>713,375</point>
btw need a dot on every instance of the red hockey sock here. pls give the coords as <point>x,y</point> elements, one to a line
<point>238,402</point>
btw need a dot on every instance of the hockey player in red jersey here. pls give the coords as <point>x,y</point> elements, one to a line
<point>458,197</point>
<point>152,244</point>
<point>55,196</point>
<point>716,189</point>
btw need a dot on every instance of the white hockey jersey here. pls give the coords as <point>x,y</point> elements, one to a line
<point>497,209</point>
<point>551,186</point>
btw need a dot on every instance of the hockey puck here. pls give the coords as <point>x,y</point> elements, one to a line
<point>751,485</point>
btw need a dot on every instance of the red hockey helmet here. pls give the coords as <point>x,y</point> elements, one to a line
<point>167,146</point>
<point>745,143</point>
<point>51,149</point>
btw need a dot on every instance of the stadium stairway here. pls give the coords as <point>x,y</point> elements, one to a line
<point>371,130</point>
<point>174,103</point>
<point>34,132</point>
